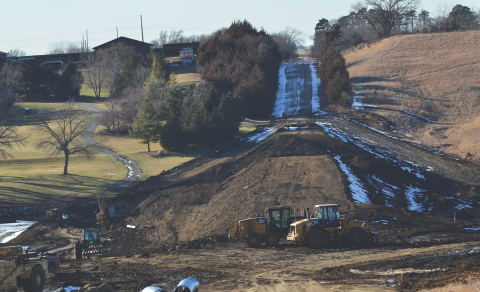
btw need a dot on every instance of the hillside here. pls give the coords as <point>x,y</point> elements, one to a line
<point>436,76</point>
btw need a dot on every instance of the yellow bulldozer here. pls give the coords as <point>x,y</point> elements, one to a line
<point>258,230</point>
<point>326,227</point>
<point>17,270</point>
<point>53,214</point>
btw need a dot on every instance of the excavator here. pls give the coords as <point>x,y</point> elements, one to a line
<point>106,214</point>
<point>256,230</point>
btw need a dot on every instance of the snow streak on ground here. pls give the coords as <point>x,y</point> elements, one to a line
<point>315,85</point>
<point>260,136</point>
<point>9,231</point>
<point>359,194</point>
<point>280,101</point>
<point>393,194</point>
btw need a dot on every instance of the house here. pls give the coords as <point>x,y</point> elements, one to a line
<point>141,48</point>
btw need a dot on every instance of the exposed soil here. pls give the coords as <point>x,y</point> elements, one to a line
<point>181,217</point>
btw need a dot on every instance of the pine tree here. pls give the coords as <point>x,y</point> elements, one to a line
<point>146,125</point>
<point>69,83</point>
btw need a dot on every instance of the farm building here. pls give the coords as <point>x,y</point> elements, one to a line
<point>141,48</point>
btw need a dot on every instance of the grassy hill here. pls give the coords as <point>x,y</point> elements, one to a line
<point>436,76</point>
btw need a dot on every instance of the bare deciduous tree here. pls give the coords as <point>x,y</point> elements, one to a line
<point>176,36</point>
<point>63,47</point>
<point>110,117</point>
<point>288,41</point>
<point>94,67</point>
<point>384,15</point>
<point>9,113</point>
<point>16,53</point>
<point>63,130</point>
<point>102,68</point>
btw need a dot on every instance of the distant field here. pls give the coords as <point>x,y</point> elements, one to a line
<point>433,75</point>
<point>186,75</point>
<point>33,176</point>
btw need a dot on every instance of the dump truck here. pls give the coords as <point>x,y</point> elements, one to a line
<point>90,246</point>
<point>256,230</point>
<point>326,227</point>
<point>17,270</point>
<point>106,213</point>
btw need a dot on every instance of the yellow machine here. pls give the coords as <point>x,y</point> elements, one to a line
<point>17,270</point>
<point>53,214</point>
<point>327,227</point>
<point>257,230</point>
<point>106,214</point>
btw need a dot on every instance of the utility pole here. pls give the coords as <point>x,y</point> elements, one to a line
<point>87,39</point>
<point>117,32</point>
<point>141,24</point>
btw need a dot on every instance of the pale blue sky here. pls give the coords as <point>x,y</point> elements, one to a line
<point>33,26</point>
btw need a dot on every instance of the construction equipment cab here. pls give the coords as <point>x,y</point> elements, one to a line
<point>327,227</point>
<point>259,229</point>
<point>17,270</point>
<point>91,246</point>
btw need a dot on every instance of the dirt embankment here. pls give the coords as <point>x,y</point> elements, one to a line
<point>182,217</point>
<point>433,75</point>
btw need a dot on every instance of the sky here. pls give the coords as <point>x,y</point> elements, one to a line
<point>33,26</point>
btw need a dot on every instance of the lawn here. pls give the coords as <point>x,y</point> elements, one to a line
<point>186,75</point>
<point>132,148</point>
<point>33,176</point>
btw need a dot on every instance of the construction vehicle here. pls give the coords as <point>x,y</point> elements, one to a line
<point>327,227</point>
<point>106,214</point>
<point>53,214</point>
<point>257,230</point>
<point>17,270</point>
<point>90,246</point>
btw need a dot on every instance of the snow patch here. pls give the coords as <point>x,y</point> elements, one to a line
<point>359,194</point>
<point>279,108</point>
<point>9,231</point>
<point>315,85</point>
<point>411,194</point>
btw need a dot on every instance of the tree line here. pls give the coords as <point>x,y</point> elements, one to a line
<point>370,20</point>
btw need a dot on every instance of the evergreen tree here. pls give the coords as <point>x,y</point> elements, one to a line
<point>160,68</point>
<point>146,125</point>
<point>244,61</point>
<point>37,81</point>
<point>334,75</point>
<point>69,83</point>
<point>172,135</point>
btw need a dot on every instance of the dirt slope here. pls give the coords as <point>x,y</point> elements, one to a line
<point>433,75</point>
